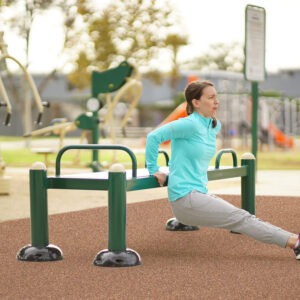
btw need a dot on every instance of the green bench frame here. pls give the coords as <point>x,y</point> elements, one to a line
<point>117,181</point>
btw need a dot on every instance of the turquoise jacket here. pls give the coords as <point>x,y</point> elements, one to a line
<point>193,145</point>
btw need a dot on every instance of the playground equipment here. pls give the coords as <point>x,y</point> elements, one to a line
<point>177,113</point>
<point>180,110</point>
<point>59,129</point>
<point>4,180</point>
<point>39,103</point>
<point>280,138</point>
<point>117,182</point>
<point>124,80</point>
<point>277,111</point>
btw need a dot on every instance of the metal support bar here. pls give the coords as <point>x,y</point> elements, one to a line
<point>255,95</point>
<point>38,208</point>
<point>221,152</point>
<point>40,249</point>
<point>95,147</point>
<point>117,211</point>
<point>248,183</point>
<point>117,255</point>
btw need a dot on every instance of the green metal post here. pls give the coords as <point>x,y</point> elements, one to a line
<point>95,137</point>
<point>117,211</point>
<point>117,255</point>
<point>248,183</point>
<point>38,208</point>
<point>254,91</point>
<point>90,121</point>
<point>39,250</point>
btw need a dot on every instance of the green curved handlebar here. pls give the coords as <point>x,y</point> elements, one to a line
<point>165,155</point>
<point>221,152</point>
<point>96,147</point>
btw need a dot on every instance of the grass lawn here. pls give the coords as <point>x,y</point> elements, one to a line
<point>270,160</point>
<point>278,159</point>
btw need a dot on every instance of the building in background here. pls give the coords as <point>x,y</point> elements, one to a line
<point>157,101</point>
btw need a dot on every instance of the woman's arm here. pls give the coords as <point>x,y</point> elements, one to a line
<point>181,128</point>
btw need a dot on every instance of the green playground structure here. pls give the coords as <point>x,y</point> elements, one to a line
<point>112,85</point>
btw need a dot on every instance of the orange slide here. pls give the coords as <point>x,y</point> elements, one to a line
<point>280,138</point>
<point>178,112</point>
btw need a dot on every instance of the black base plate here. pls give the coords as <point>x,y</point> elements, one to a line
<point>40,254</point>
<point>127,258</point>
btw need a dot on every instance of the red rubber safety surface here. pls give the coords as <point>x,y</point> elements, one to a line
<point>205,264</point>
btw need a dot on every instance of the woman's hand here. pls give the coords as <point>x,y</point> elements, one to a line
<point>160,177</point>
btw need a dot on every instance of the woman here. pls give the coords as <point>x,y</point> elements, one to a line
<point>193,144</point>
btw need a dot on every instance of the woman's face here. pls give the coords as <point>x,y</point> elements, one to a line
<point>207,105</point>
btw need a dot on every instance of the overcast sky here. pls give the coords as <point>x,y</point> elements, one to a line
<point>213,21</point>
<point>205,22</point>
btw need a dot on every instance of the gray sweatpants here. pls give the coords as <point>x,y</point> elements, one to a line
<point>211,211</point>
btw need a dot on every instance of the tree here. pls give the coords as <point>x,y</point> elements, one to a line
<point>134,30</point>
<point>220,56</point>
<point>19,16</point>
<point>175,41</point>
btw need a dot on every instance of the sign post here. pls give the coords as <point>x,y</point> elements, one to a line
<point>254,71</point>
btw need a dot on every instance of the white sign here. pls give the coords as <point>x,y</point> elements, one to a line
<point>255,43</point>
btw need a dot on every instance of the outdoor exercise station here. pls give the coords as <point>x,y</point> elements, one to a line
<point>117,182</point>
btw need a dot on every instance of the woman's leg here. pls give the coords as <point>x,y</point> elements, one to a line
<point>211,211</point>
